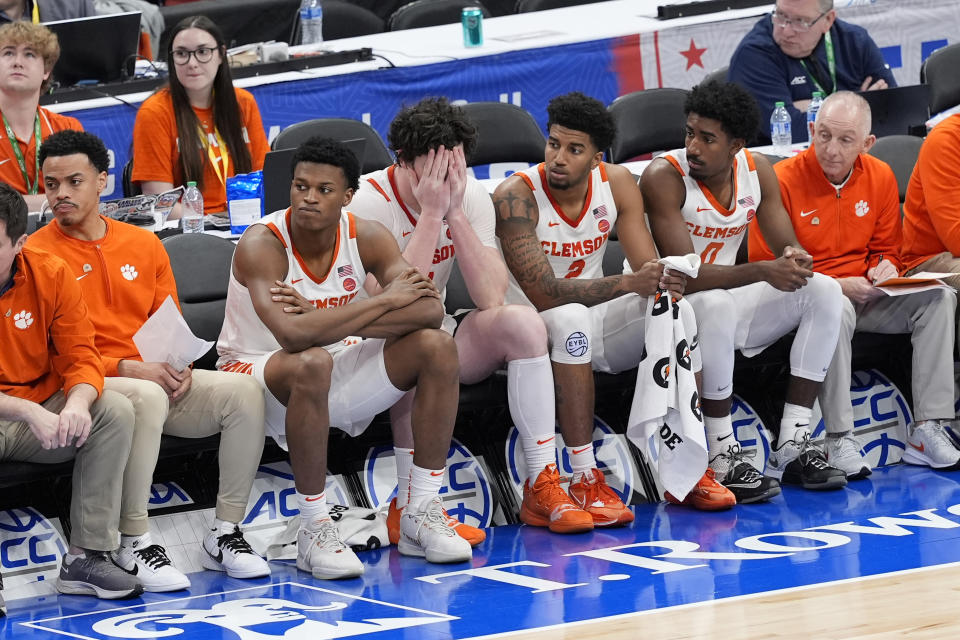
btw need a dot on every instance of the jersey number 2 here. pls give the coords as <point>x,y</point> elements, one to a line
<point>576,268</point>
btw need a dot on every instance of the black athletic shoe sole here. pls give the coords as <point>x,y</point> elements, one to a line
<point>748,495</point>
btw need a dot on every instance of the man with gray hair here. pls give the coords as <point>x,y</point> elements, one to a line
<point>800,48</point>
<point>845,211</point>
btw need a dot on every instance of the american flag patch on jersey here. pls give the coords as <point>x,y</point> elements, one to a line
<point>746,202</point>
<point>600,212</point>
<point>345,270</point>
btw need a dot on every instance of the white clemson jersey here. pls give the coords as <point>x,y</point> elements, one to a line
<point>244,334</point>
<point>379,199</point>
<point>717,231</point>
<point>574,248</point>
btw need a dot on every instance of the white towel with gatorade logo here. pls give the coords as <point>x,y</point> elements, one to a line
<point>665,418</point>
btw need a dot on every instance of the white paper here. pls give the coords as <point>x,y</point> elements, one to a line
<point>165,337</point>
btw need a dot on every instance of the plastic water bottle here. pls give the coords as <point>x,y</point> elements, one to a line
<point>311,22</point>
<point>812,110</point>
<point>192,208</point>
<point>780,135</point>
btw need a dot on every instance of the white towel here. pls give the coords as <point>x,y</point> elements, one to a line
<point>665,418</point>
<point>360,528</point>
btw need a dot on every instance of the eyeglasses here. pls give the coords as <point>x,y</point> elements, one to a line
<point>202,54</point>
<point>784,22</point>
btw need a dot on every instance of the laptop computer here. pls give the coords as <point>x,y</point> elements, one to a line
<point>95,49</point>
<point>277,174</point>
<point>898,110</point>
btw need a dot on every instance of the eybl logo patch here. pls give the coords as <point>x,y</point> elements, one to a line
<point>577,344</point>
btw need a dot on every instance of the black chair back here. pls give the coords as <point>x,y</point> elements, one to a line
<point>900,152</point>
<point>527,6</point>
<point>505,133</point>
<point>375,155</point>
<point>346,20</point>
<point>201,266</point>
<point>647,121</point>
<point>430,13</point>
<point>940,71</point>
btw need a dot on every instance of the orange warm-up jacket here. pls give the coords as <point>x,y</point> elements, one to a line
<point>47,336</point>
<point>125,277</point>
<point>931,212</point>
<point>846,232</point>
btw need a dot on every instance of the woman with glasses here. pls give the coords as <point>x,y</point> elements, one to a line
<point>200,128</point>
<point>799,48</point>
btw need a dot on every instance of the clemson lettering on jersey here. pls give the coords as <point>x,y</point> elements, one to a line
<point>446,252</point>
<point>574,249</point>
<point>715,232</point>
<point>334,301</point>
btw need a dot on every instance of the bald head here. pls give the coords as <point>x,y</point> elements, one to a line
<point>841,133</point>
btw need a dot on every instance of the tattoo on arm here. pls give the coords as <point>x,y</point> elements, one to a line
<point>525,259</point>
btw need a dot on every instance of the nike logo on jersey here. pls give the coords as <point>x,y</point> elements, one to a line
<point>553,224</point>
<point>83,276</point>
<point>804,214</point>
<point>4,161</point>
<point>406,233</point>
<point>296,281</point>
<point>702,209</point>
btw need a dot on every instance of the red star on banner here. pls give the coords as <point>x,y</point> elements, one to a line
<point>693,55</point>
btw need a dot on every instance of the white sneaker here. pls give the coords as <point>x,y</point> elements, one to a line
<point>232,553</point>
<point>844,454</point>
<point>150,564</point>
<point>324,554</point>
<point>426,533</point>
<point>929,445</point>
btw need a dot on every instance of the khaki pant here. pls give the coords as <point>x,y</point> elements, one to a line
<point>929,317</point>
<point>217,402</point>
<point>95,503</point>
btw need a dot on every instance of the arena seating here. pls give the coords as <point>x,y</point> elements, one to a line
<point>647,121</point>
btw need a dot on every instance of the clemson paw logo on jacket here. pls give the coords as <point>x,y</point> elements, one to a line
<point>129,272</point>
<point>23,320</point>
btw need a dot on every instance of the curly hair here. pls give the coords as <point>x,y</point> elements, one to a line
<point>427,125</point>
<point>43,41</point>
<point>582,113</point>
<point>69,142</point>
<point>321,150</point>
<point>729,104</point>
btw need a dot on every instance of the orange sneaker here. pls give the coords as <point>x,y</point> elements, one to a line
<point>546,504</point>
<point>707,495</point>
<point>472,535</point>
<point>593,495</point>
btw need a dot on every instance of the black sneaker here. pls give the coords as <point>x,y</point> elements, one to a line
<point>736,474</point>
<point>804,464</point>
<point>95,575</point>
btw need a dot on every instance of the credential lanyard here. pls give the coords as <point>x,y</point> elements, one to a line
<point>223,158</point>
<point>831,66</point>
<point>35,187</point>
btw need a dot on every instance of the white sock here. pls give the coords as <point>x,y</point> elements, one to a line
<point>404,460</point>
<point>129,541</point>
<point>313,509</point>
<point>425,484</point>
<point>719,434</point>
<point>530,398</point>
<point>795,422</point>
<point>581,458</point>
<point>222,527</point>
<point>68,557</point>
